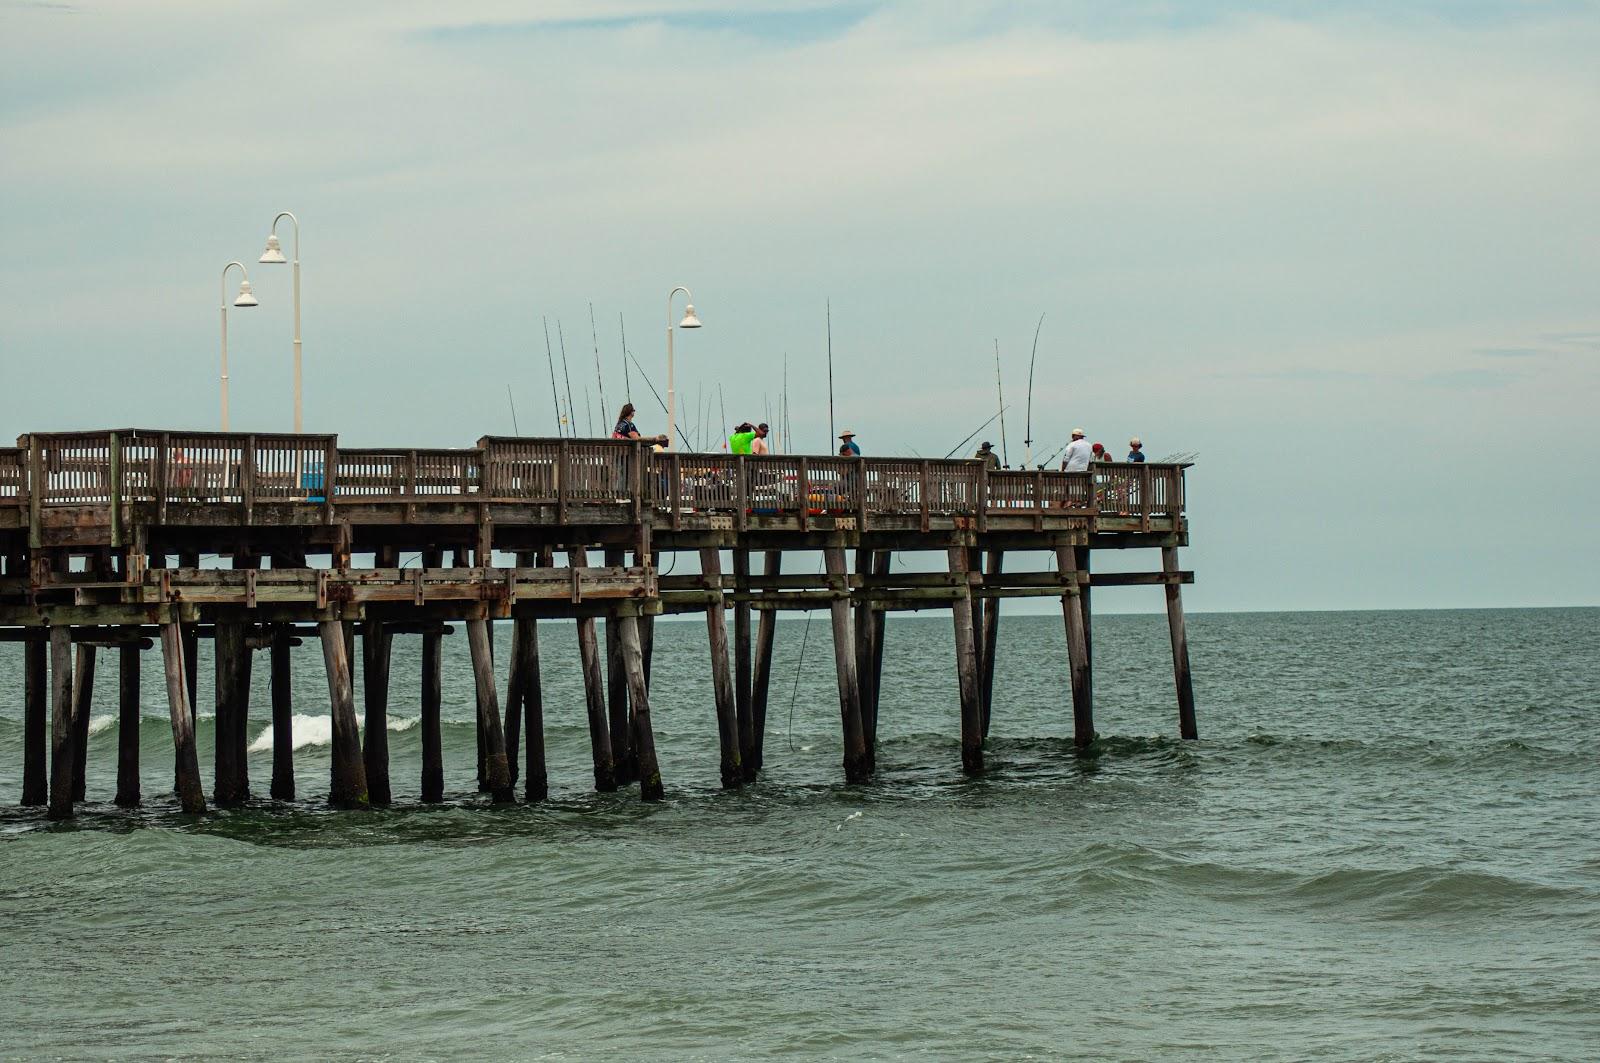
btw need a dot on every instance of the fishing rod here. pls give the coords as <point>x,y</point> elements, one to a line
<point>723,406</point>
<point>646,377</point>
<point>1056,453</point>
<point>515,430</point>
<point>555,396</point>
<point>1027,427</point>
<point>1005,457</point>
<point>572,412</point>
<point>627,385</point>
<point>598,379</point>
<point>975,432</point>
<point>831,436</point>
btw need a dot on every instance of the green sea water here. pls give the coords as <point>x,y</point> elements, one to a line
<point>1383,847</point>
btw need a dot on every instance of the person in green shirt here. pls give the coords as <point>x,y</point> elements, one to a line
<point>739,442</point>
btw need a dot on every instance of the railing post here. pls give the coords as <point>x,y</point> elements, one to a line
<point>983,496</point>
<point>676,467</point>
<point>805,494</point>
<point>114,458</point>
<point>636,466</point>
<point>927,486</point>
<point>411,474</point>
<point>247,478</point>
<point>1038,502</point>
<point>1144,498</point>
<point>330,464</point>
<point>563,472</point>
<point>741,489</point>
<point>861,496</point>
<point>37,486</point>
<point>160,484</point>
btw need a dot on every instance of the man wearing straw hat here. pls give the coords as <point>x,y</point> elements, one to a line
<point>847,441</point>
<point>1079,453</point>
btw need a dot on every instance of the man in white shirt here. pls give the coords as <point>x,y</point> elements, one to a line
<point>1079,453</point>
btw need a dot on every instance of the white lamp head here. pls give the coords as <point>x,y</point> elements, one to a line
<point>245,298</point>
<point>689,320</point>
<point>274,251</point>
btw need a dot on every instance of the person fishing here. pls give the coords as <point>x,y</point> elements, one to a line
<point>847,446</point>
<point>739,442</point>
<point>1135,453</point>
<point>758,445</point>
<point>987,455</point>
<point>1079,453</point>
<point>626,429</point>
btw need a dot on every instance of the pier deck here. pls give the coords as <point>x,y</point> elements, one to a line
<point>356,539</point>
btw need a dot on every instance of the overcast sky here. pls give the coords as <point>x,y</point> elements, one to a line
<point>1349,255</point>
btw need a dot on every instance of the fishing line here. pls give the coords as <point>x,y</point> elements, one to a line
<point>794,691</point>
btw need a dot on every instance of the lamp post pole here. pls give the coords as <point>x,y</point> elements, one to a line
<point>274,253</point>
<point>245,299</point>
<point>689,321</point>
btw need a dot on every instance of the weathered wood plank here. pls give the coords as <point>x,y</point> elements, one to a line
<point>1077,649</point>
<point>732,767</point>
<point>967,675</point>
<point>761,677</point>
<point>191,797</point>
<point>605,779</point>
<point>62,731</point>
<point>844,661</point>
<point>348,775</point>
<point>644,741</point>
<point>497,769</point>
<point>376,641</point>
<point>1187,727</point>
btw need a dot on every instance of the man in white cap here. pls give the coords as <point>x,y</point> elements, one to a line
<point>847,441</point>
<point>1079,453</point>
<point>1134,453</point>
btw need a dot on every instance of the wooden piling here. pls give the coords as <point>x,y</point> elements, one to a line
<point>432,696</point>
<point>348,775</point>
<point>376,639</point>
<point>1077,648</point>
<point>721,678</point>
<point>191,646</point>
<point>864,632</point>
<point>605,778</point>
<point>844,661</point>
<point>62,731</point>
<point>743,678</point>
<point>967,672</point>
<point>231,785</point>
<point>128,725</point>
<point>282,715</point>
<point>530,699</point>
<point>624,760</point>
<point>1187,728</point>
<point>989,641</point>
<point>498,772</point>
<point>1084,565</point>
<point>35,720</point>
<point>191,798</point>
<point>761,676</point>
<point>82,706</point>
<point>880,617</point>
<point>644,741</point>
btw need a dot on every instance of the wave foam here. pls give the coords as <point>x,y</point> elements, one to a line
<point>318,731</point>
<point>102,723</point>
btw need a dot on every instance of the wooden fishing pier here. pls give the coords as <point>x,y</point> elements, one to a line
<point>102,535</point>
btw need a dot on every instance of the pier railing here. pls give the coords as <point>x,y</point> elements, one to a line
<point>240,469</point>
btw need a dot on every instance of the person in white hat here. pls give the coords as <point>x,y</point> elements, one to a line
<point>847,441</point>
<point>1134,453</point>
<point>1079,453</point>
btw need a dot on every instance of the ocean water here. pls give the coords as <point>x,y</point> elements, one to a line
<point>1383,847</point>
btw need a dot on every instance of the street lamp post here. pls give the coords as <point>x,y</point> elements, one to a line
<point>689,321</point>
<point>245,298</point>
<point>274,254</point>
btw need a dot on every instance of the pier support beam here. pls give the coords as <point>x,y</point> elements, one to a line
<point>644,741</point>
<point>231,785</point>
<point>82,706</point>
<point>1072,612</point>
<point>497,770</point>
<point>761,676</point>
<point>865,654</point>
<point>528,699</point>
<point>432,696</point>
<point>191,646</point>
<point>880,619</point>
<point>856,763</point>
<point>348,777</point>
<point>743,677</point>
<point>62,731</point>
<point>967,671</point>
<point>623,759</point>
<point>282,715</point>
<point>1187,728</point>
<point>191,797</point>
<point>721,679</point>
<point>376,639</point>
<point>1084,607</point>
<point>989,640</point>
<point>605,776</point>
<point>128,795</point>
<point>35,719</point>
